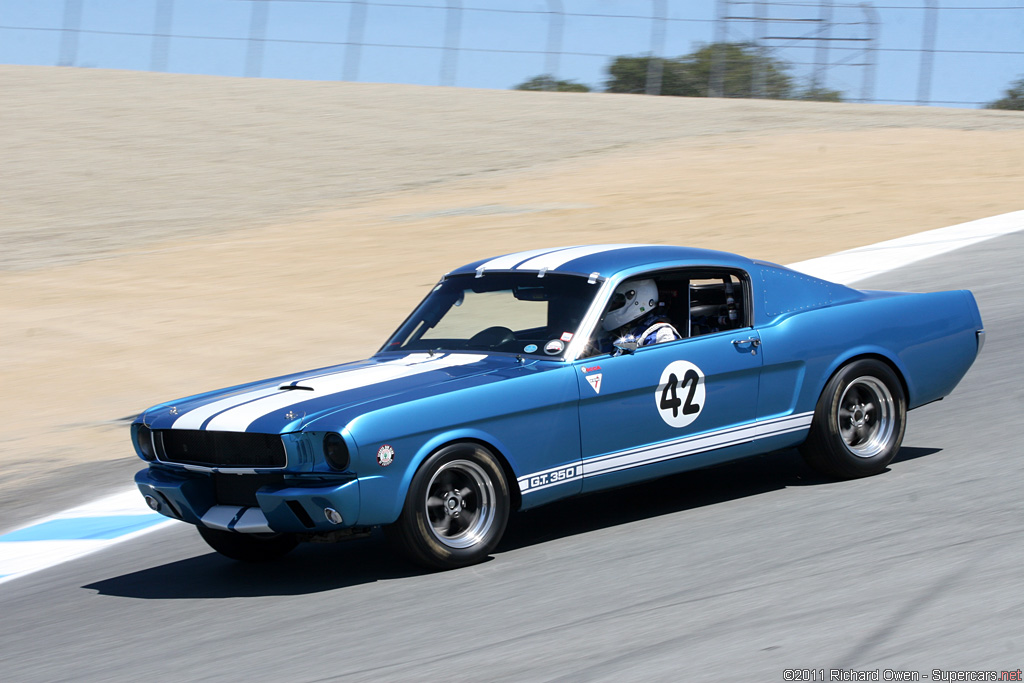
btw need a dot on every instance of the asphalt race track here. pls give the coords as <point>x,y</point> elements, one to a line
<point>736,573</point>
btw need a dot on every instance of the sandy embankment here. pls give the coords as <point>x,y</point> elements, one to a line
<point>164,234</point>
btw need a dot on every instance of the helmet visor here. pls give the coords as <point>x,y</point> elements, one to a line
<point>620,299</point>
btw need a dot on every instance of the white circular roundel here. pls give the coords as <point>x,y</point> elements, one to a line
<point>680,393</point>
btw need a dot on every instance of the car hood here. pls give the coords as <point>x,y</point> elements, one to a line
<point>284,404</point>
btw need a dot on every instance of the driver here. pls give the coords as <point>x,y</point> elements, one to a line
<point>633,309</point>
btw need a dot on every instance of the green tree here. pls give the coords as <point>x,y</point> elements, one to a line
<point>818,93</point>
<point>1014,98</point>
<point>629,75</point>
<point>739,70</point>
<point>548,82</point>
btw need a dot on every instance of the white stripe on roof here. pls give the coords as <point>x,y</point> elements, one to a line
<point>552,260</point>
<point>508,261</point>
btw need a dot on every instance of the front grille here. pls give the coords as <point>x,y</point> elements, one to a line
<point>220,449</point>
<point>240,489</point>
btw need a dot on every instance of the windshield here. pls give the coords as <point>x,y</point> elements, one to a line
<point>507,312</point>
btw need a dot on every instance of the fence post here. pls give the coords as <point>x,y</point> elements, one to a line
<point>452,29</point>
<point>931,22</point>
<point>656,65</point>
<point>354,44</point>
<point>257,35</point>
<point>69,33</point>
<point>716,80</point>
<point>868,86</point>
<point>759,75</point>
<point>821,49</point>
<point>556,26</point>
<point>162,22</point>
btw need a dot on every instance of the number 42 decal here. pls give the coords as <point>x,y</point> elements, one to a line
<point>680,393</point>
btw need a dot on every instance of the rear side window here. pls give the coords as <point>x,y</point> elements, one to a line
<point>717,302</point>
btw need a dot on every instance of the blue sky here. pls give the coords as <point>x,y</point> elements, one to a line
<point>979,43</point>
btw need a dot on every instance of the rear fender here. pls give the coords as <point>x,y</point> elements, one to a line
<point>929,339</point>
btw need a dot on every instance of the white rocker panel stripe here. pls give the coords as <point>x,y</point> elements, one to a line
<point>647,455</point>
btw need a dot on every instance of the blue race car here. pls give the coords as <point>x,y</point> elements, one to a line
<point>531,377</point>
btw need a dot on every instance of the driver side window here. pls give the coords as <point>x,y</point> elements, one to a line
<point>691,302</point>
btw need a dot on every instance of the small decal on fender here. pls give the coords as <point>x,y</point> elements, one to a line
<point>595,382</point>
<point>385,455</point>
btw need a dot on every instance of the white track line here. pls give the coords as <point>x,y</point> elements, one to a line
<point>853,265</point>
<point>98,525</point>
<point>76,532</point>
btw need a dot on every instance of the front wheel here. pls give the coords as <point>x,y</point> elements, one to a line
<point>456,510</point>
<point>248,547</point>
<point>859,421</point>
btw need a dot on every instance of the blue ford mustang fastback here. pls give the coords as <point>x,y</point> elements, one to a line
<point>534,376</point>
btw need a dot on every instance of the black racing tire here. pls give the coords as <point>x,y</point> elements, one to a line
<point>859,421</point>
<point>249,547</point>
<point>456,509</point>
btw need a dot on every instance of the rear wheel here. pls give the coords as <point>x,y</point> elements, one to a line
<point>859,421</point>
<point>248,547</point>
<point>456,510</point>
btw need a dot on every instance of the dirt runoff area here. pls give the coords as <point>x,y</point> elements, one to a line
<point>165,234</point>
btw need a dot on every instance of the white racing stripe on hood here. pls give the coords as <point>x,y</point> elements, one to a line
<point>239,418</point>
<point>194,419</point>
<point>553,260</point>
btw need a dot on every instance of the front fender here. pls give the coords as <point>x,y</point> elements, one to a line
<point>530,418</point>
<point>384,496</point>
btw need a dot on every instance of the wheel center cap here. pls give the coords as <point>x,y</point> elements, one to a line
<point>453,503</point>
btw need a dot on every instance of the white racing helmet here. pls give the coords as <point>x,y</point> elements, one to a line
<point>630,301</point>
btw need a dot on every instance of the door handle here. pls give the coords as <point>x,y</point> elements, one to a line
<point>753,341</point>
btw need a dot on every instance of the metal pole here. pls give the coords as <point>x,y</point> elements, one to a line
<point>69,33</point>
<point>257,36</point>
<point>354,46</point>
<point>821,51</point>
<point>759,86</point>
<point>162,22</point>
<point>716,80</point>
<point>450,56</point>
<point>931,22</point>
<point>556,27</point>
<point>871,56</point>
<point>655,64</point>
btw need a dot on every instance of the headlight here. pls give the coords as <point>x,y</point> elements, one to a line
<point>335,451</point>
<point>144,437</point>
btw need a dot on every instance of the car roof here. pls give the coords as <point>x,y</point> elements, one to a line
<point>603,260</point>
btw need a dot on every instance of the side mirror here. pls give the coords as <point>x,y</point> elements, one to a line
<point>627,344</point>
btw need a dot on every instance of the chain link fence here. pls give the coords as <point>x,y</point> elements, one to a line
<point>889,51</point>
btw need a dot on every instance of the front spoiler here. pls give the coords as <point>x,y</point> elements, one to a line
<point>298,506</point>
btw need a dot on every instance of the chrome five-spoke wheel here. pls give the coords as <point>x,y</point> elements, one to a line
<point>865,416</point>
<point>460,504</point>
<point>858,421</point>
<point>456,509</point>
